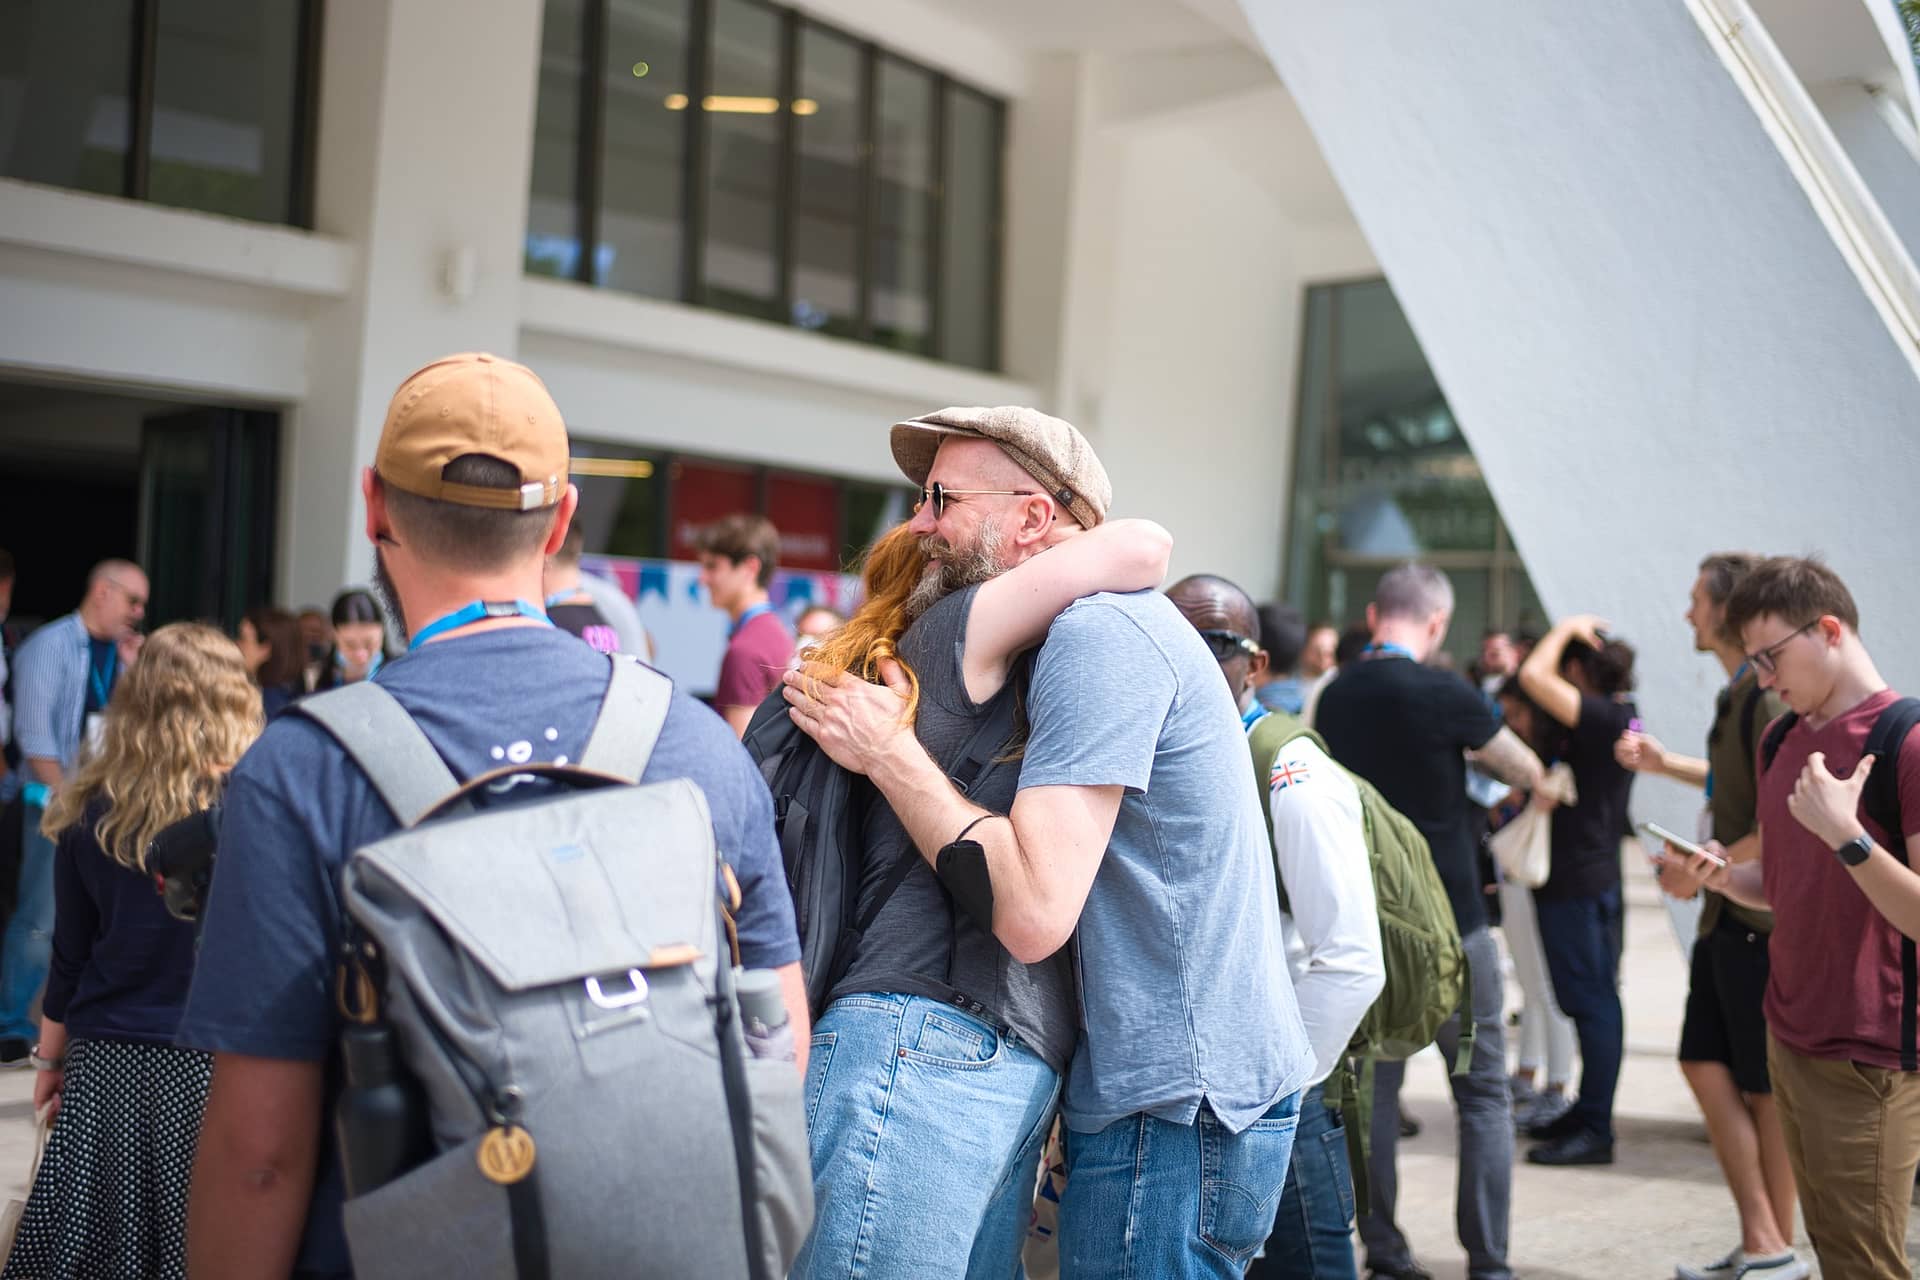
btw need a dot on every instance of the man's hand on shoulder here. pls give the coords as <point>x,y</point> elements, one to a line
<point>859,725</point>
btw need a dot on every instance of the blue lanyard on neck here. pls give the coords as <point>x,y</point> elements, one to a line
<point>561,597</point>
<point>101,682</point>
<point>1387,649</point>
<point>478,611</point>
<point>373,668</point>
<point>1253,715</point>
<point>748,616</point>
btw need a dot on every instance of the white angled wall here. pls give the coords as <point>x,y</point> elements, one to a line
<point>1648,335</point>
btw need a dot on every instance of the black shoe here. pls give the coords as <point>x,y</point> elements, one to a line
<point>1584,1147</point>
<point>1564,1125</point>
<point>13,1051</point>
<point>1409,1128</point>
<point>1412,1271</point>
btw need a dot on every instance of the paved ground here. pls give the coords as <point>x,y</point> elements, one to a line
<point>1662,1202</point>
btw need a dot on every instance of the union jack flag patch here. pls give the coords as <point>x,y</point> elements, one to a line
<point>1287,775</point>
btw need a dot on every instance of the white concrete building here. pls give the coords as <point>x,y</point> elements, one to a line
<point>1113,209</point>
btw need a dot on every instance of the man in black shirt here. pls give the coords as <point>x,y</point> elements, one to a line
<point>1408,728</point>
<point>569,606</point>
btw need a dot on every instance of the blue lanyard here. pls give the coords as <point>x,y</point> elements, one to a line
<point>475,612</point>
<point>1388,650</point>
<point>373,668</point>
<point>747,617</point>
<point>560,597</point>
<point>101,682</point>
<point>1253,715</point>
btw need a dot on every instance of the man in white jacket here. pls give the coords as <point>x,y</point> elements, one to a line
<point>1332,934</point>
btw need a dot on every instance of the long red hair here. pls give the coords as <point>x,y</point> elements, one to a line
<point>892,568</point>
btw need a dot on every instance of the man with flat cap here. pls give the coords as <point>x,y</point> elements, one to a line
<point>467,497</point>
<point>1132,830</point>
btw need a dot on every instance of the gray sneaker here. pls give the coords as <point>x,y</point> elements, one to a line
<point>1738,1266</point>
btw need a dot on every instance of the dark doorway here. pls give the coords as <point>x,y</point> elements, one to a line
<point>187,490</point>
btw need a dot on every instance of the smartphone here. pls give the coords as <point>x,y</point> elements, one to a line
<point>1659,832</point>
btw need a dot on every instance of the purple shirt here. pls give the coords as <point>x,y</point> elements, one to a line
<point>757,656</point>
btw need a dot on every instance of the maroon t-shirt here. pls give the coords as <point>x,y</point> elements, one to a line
<point>1835,989</point>
<point>757,656</point>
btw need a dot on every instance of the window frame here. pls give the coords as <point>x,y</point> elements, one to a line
<point>696,169</point>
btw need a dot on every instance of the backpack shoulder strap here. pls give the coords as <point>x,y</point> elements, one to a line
<point>1746,721</point>
<point>1882,798</point>
<point>983,750</point>
<point>1770,745</point>
<point>632,714</point>
<point>378,734</point>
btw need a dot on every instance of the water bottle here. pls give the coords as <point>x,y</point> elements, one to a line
<point>381,1117</point>
<point>763,1013</point>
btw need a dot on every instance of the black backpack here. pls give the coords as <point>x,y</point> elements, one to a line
<point>819,813</point>
<point>1880,801</point>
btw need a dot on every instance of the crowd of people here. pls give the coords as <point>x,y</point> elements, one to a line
<point>1107,994</point>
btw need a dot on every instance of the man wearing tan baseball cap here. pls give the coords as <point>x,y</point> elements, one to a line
<point>467,497</point>
<point>1131,828</point>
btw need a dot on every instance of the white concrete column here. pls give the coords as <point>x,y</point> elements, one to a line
<point>426,137</point>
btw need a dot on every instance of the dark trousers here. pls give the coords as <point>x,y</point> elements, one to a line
<point>1581,937</point>
<point>1313,1233</point>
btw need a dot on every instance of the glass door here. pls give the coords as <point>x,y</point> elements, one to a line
<point>207,504</point>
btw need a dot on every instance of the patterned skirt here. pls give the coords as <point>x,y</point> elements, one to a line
<point>111,1197</point>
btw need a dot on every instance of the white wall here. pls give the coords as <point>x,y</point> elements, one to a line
<point>1652,343</point>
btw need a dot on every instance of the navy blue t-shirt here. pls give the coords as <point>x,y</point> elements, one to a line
<point>296,806</point>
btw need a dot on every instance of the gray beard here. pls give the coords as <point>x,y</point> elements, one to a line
<point>958,567</point>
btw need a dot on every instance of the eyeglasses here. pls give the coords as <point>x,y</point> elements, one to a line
<point>1226,644</point>
<point>938,494</point>
<point>134,598</point>
<point>1762,660</point>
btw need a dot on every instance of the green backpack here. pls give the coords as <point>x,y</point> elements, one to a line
<point>1427,974</point>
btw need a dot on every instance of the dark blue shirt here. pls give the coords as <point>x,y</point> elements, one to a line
<point>296,806</point>
<point>120,965</point>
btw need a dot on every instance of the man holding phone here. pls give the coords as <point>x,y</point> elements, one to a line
<point>1839,830</point>
<point>1723,1038</point>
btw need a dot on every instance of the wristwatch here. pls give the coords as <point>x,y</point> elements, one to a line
<point>1855,851</point>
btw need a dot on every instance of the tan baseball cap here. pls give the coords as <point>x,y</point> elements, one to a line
<point>1053,452</point>
<point>474,403</point>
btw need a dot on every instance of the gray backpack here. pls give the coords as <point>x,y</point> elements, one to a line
<point>558,980</point>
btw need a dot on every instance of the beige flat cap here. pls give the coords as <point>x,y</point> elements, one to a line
<point>1053,452</point>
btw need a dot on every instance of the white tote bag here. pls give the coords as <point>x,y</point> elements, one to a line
<point>1524,847</point>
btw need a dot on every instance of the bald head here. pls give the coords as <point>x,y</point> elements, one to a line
<point>116,599</point>
<point>1227,620</point>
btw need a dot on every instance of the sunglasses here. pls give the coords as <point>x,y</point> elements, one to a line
<point>937,494</point>
<point>1763,660</point>
<point>1227,644</point>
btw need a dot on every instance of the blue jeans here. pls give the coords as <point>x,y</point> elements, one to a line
<point>1147,1199</point>
<point>1581,939</point>
<point>926,1127</point>
<point>29,938</point>
<point>1313,1233</point>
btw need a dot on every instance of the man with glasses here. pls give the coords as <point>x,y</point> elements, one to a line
<point>1407,728</point>
<point>1132,831</point>
<point>63,678</point>
<point>1331,927</point>
<point>1839,828</point>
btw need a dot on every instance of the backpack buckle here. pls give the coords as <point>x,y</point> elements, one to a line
<point>636,992</point>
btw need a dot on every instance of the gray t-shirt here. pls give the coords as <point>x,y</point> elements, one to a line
<point>920,944</point>
<point>1184,991</point>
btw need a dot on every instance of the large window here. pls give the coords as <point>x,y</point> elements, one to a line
<point>201,104</point>
<point>1383,475</point>
<point>737,155</point>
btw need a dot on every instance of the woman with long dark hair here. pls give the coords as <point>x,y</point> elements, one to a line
<point>111,1195</point>
<point>359,640</point>
<point>275,654</point>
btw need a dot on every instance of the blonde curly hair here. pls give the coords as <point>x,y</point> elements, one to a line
<point>180,717</point>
